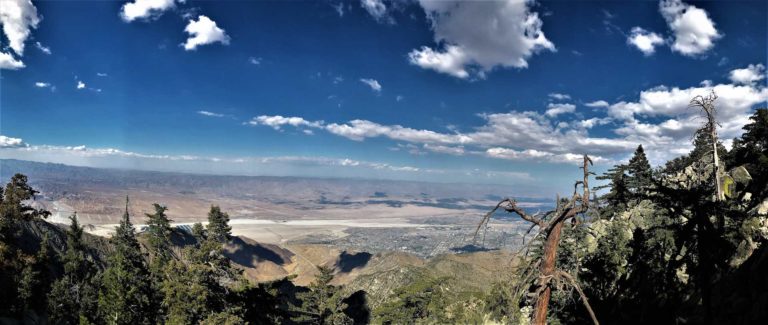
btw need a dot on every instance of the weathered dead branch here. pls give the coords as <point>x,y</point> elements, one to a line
<point>550,229</point>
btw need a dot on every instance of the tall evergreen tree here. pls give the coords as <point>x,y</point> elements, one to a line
<point>17,270</point>
<point>752,150</point>
<point>322,304</point>
<point>618,196</point>
<point>74,297</point>
<point>640,173</point>
<point>218,225</point>
<point>13,209</point>
<point>159,232</point>
<point>125,296</point>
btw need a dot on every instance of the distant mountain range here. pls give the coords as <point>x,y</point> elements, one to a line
<point>329,190</point>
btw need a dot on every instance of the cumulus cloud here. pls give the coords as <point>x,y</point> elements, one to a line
<point>101,74</point>
<point>204,31</point>
<point>18,18</point>
<point>520,129</point>
<point>673,101</point>
<point>644,40</point>
<point>80,85</point>
<point>7,61</point>
<point>8,142</point>
<point>451,60</point>
<point>693,31</point>
<point>659,118</point>
<point>751,74</point>
<point>277,122</point>
<point>557,109</point>
<point>376,8</point>
<point>590,123</point>
<point>41,84</point>
<point>145,9</point>
<point>475,37</point>
<point>358,130</point>
<point>373,83</point>
<point>672,135</point>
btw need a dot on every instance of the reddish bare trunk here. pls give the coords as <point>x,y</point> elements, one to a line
<point>547,270</point>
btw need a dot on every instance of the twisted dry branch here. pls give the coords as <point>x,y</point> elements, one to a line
<point>572,281</point>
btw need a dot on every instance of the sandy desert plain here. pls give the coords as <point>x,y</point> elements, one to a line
<point>425,219</point>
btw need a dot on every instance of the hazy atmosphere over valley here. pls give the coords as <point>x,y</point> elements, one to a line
<point>383,161</point>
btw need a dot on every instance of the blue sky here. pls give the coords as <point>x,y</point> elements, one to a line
<point>508,92</point>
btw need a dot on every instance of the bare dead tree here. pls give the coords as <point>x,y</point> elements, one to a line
<point>550,225</point>
<point>707,105</point>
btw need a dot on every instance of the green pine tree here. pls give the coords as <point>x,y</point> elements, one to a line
<point>322,304</point>
<point>125,296</point>
<point>617,198</point>
<point>218,225</point>
<point>640,173</point>
<point>74,297</point>
<point>751,150</point>
<point>198,231</point>
<point>19,276</point>
<point>159,232</point>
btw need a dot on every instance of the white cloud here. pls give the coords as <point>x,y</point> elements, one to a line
<point>144,9</point>
<point>399,98</point>
<point>451,61</point>
<point>254,60</point>
<point>531,154</point>
<point>557,109</point>
<point>514,129</point>
<point>751,74</point>
<point>373,83</point>
<point>8,142</point>
<point>456,151</point>
<point>204,31</point>
<point>659,118</point>
<point>80,85</point>
<point>277,121</point>
<point>694,32</point>
<point>41,84</point>
<point>44,49</point>
<point>644,40</point>
<point>7,61</point>
<point>476,37</point>
<point>375,8</point>
<point>664,101</point>
<point>18,17</point>
<point>559,96</point>
<point>597,103</point>
<point>211,114</point>
<point>101,74</point>
<point>359,130</point>
<point>590,123</point>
